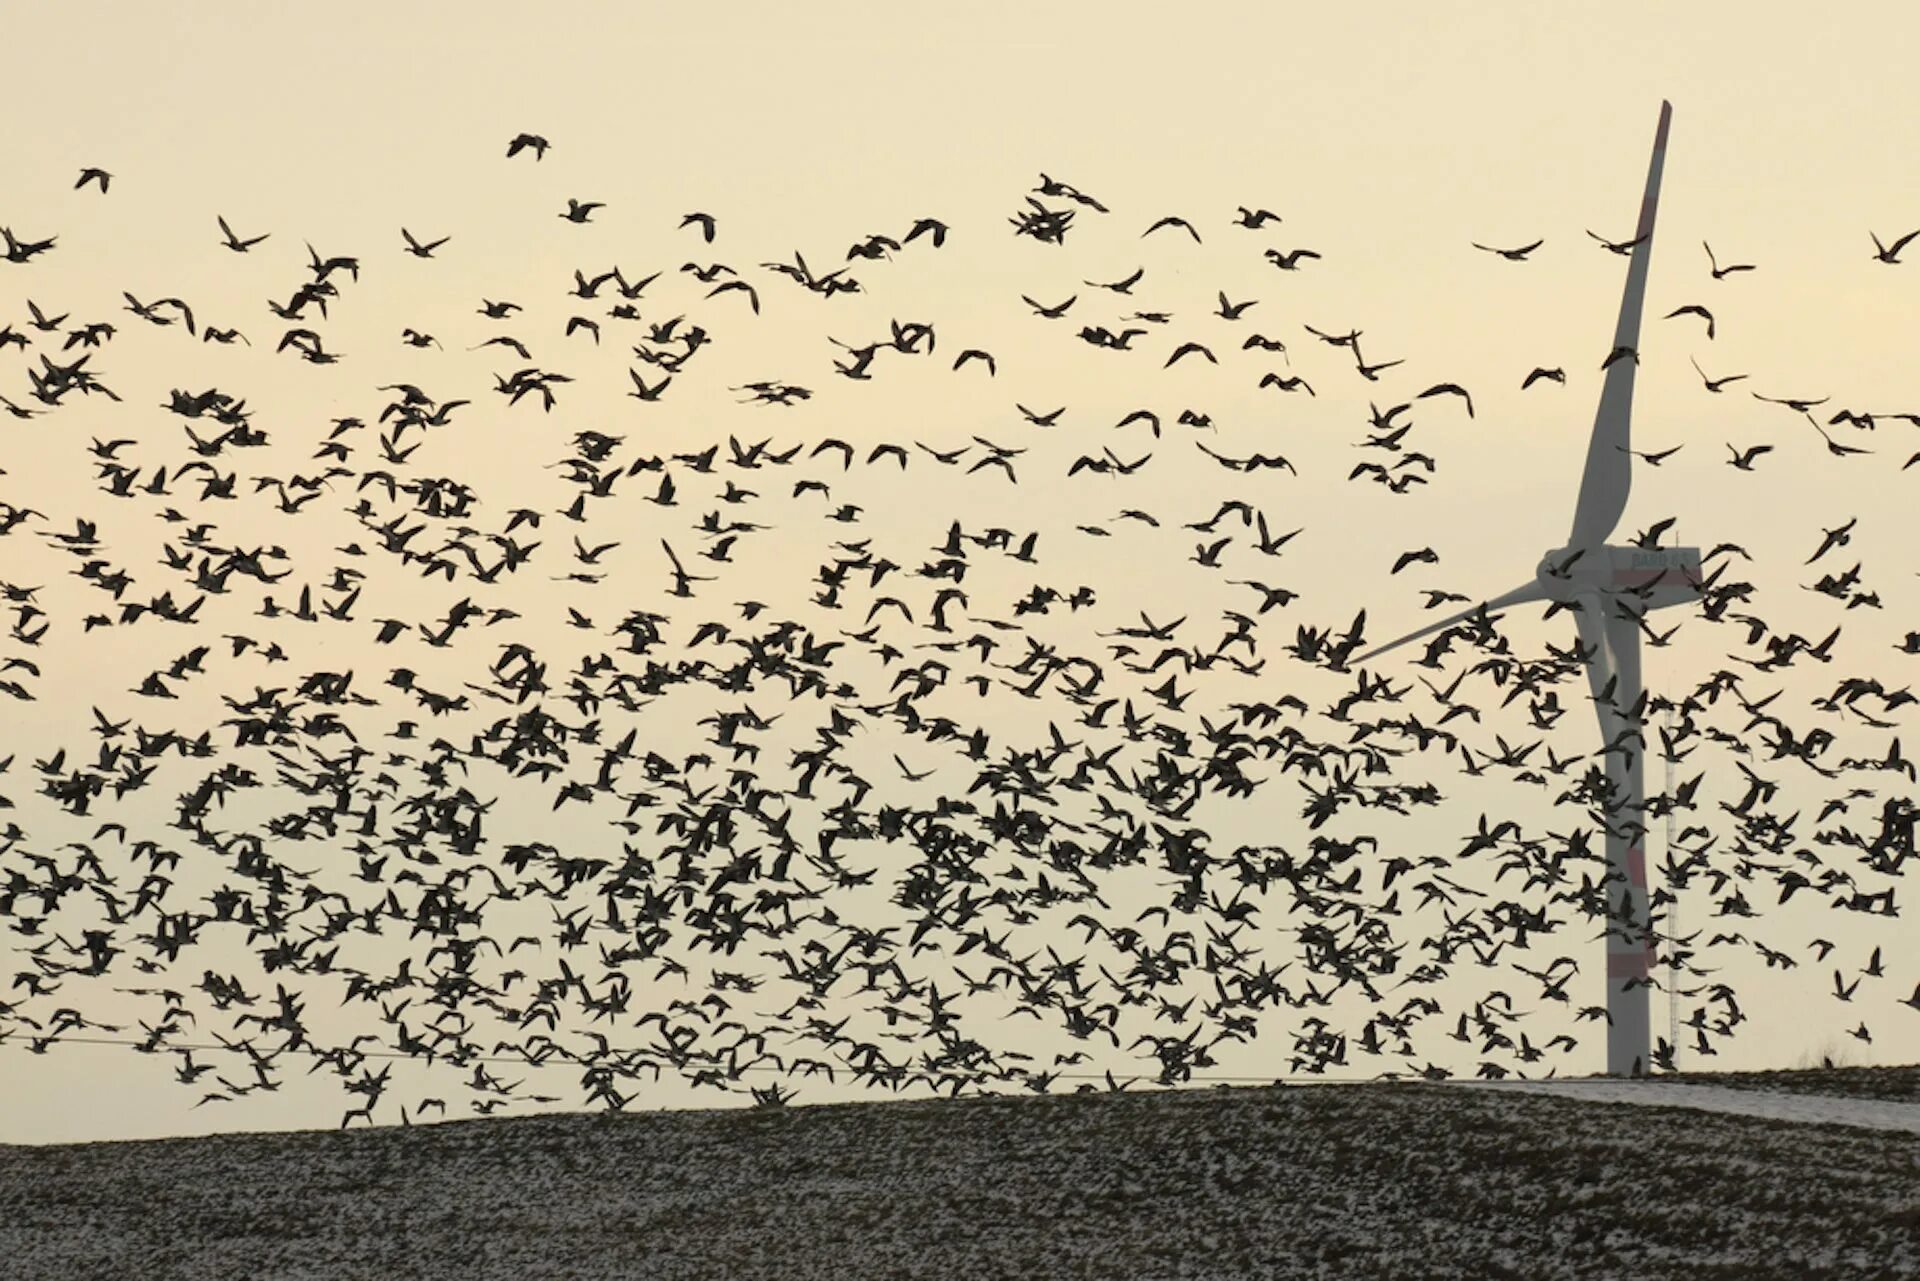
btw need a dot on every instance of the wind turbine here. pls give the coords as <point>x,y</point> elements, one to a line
<point>1609,589</point>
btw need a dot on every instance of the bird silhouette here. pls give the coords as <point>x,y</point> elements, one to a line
<point>1122,286</point>
<point>1719,272</point>
<point>1694,310</point>
<point>1891,253</point>
<point>1449,389</point>
<point>1513,255</point>
<point>1173,221</point>
<point>1234,310</point>
<point>1714,384</point>
<point>1622,247</point>
<point>1286,261</point>
<point>1833,538</point>
<point>418,249</point>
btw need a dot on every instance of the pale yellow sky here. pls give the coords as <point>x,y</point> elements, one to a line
<point>1388,138</point>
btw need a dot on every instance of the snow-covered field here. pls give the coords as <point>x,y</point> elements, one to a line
<point>1391,1180</point>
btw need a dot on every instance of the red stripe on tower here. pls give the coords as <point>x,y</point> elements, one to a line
<point>1630,965</point>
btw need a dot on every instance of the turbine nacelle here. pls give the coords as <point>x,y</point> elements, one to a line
<point>1658,576</point>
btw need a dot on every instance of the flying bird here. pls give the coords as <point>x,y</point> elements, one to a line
<point>641,391</point>
<point>1798,403</point>
<point>1289,261</point>
<point>932,228</point>
<point>1172,220</point>
<point>1834,447</point>
<point>1349,339</point>
<point>234,242</point>
<point>1890,253</point>
<point>1451,389</point>
<point>528,141</point>
<point>419,250</point>
<point>740,286</point>
<point>873,248</point>
<point>1694,309</point>
<point>19,251</point>
<point>682,580</point>
<point>1622,247</point>
<point>1513,255</point>
<point>1054,187</point>
<point>1122,286</point>
<point>1053,312</point>
<point>1714,384</point>
<point>1234,310</point>
<point>1424,556</point>
<point>1834,538</point>
<point>1287,384</point>
<point>1719,272</point>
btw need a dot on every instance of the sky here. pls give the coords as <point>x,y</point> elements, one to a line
<point>1387,142</point>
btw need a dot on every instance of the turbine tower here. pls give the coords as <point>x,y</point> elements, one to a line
<point>1609,589</point>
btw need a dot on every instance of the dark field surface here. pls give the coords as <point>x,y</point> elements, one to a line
<point>1392,1180</point>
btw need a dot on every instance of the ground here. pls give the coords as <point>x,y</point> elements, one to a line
<point>1897,1084</point>
<point>1397,1180</point>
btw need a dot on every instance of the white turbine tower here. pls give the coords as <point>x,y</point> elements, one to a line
<point>1609,589</point>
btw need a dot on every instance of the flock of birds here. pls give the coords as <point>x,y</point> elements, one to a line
<point>778,907</point>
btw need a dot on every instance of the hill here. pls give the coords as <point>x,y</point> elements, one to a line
<point>1387,1180</point>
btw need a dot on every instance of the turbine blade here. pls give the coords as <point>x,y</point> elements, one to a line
<point>1609,474</point>
<point>1518,596</point>
<point>1601,666</point>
